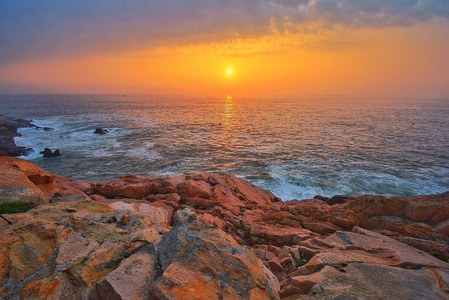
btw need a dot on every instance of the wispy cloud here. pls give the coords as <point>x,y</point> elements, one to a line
<point>39,29</point>
<point>365,13</point>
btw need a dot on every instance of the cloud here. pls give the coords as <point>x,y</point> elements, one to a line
<point>367,13</point>
<point>48,28</point>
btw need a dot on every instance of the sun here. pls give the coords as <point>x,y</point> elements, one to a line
<point>229,71</point>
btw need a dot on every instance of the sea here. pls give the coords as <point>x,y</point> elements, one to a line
<point>296,147</point>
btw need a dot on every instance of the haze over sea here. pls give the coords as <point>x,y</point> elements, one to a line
<point>295,147</point>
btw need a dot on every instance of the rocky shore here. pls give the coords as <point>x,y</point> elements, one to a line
<point>8,130</point>
<point>209,236</point>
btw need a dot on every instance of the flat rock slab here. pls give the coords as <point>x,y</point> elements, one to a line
<point>371,281</point>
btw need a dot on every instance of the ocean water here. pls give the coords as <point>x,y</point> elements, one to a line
<point>295,147</point>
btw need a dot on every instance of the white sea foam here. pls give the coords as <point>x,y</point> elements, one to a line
<point>306,150</point>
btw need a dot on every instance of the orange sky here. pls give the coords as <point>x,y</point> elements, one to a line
<point>310,59</point>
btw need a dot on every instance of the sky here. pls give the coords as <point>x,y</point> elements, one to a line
<point>254,48</point>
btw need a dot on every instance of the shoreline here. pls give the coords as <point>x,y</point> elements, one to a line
<point>8,130</point>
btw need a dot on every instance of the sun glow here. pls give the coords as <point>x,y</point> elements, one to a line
<point>229,71</point>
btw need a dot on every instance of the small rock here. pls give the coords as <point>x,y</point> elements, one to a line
<point>48,153</point>
<point>100,131</point>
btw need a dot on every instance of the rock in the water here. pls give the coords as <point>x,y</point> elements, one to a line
<point>49,153</point>
<point>100,131</point>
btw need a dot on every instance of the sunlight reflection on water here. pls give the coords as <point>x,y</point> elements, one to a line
<point>297,148</point>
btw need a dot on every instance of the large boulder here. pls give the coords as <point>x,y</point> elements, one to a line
<point>358,280</point>
<point>72,250</point>
<point>131,279</point>
<point>362,245</point>
<point>24,181</point>
<point>205,263</point>
<point>15,184</point>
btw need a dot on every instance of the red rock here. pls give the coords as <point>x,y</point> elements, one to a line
<point>443,227</point>
<point>196,189</point>
<point>205,191</point>
<point>261,254</point>
<point>345,219</point>
<point>205,263</point>
<point>288,264</point>
<point>23,180</point>
<point>368,206</point>
<point>443,279</point>
<point>322,227</point>
<point>433,247</point>
<point>434,208</point>
<point>173,197</point>
<point>211,221</point>
<point>305,283</point>
<point>154,214</point>
<point>71,184</point>
<point>289,290</point>
<point>372,281</point>
<point>369,247</point>
<point>274,249</point>
<point>184,216</point>
<point>125,220</point>
<point>131,280</point>
<point>279,235</point>
<point>87,241</point>
<point>275,265</point>
<point>285,252</point>
<point>294,250</point>
<point>306,252</point>
<point>133,187</point>
<point>428,209</point>
<point>269,255</point>
<point>14,184</point>
<point>416,229</point>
